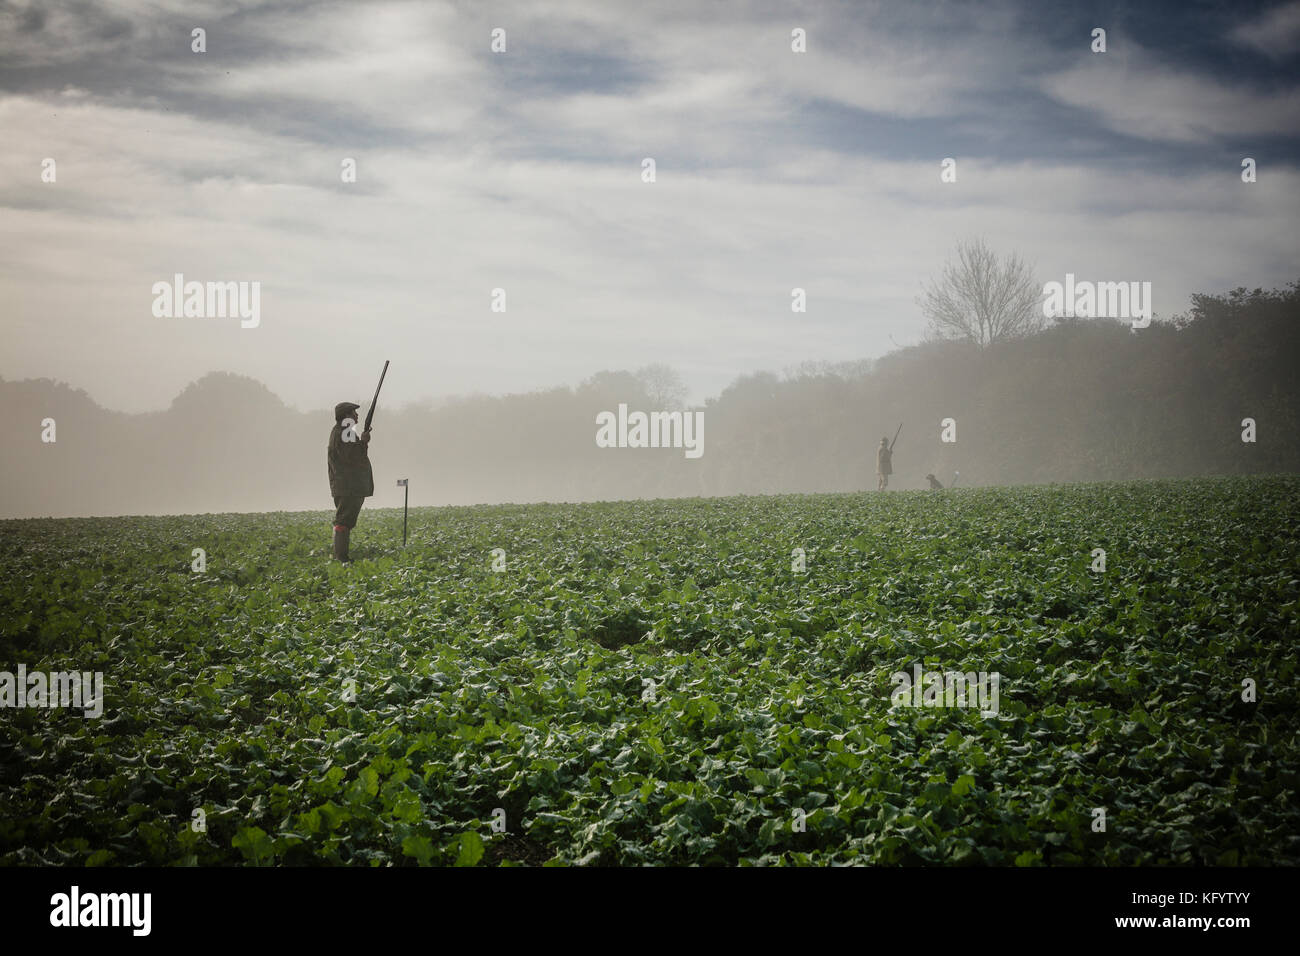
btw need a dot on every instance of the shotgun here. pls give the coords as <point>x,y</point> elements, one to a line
<point>891,444</point>
<point>371,414</point>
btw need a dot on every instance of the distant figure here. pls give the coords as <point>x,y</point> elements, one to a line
<point>351,480</point>
<point>884,464</point>
<point>935,483</point>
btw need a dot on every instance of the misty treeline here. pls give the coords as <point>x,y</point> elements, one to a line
<point>1082,400</point>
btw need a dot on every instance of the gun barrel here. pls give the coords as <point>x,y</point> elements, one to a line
<point>371,414</point>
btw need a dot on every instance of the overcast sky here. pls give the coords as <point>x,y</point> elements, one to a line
<point>522,170</point>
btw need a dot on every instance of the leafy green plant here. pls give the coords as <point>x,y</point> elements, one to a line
<point>651,682</point>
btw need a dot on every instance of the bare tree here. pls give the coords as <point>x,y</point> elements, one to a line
<point>981,298</point>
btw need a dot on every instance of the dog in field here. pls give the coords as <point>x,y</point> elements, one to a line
<point>935,484</point>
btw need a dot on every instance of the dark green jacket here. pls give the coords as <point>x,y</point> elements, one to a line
<point>349,464</point>
<point>884,460</point>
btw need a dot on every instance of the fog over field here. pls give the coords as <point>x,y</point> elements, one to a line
<point>220,220</point>
<point>1217,396</point>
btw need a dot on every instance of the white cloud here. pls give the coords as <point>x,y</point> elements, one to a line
<point>1138,96</point>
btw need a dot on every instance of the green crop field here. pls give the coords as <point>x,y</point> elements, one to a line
<point>660,682</point>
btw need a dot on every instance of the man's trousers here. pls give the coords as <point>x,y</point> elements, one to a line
<point>348,508</point>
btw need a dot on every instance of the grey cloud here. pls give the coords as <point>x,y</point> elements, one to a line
<point>1275,33</point>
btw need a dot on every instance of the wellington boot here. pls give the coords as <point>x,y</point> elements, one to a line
<point>341,535</point>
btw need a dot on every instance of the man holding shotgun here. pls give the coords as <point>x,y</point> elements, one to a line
<point>351,480</point>
<point>885,461</point>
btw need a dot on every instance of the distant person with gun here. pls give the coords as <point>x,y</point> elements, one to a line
<point>351,479</point>
<point>885,461</point>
